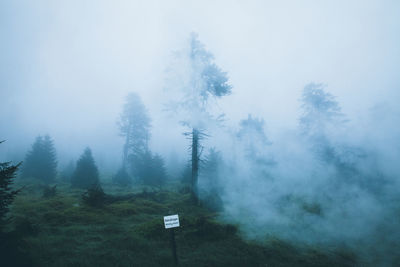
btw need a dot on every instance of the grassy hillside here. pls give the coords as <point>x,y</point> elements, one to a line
<point>63,231</point>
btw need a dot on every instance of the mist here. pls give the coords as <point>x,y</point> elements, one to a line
<point>67,67</point>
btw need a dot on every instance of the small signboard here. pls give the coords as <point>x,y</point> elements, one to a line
<point>171,221</point>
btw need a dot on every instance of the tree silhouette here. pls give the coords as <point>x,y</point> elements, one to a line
<point>320,111</point>
<point>7,175</point>
<point>134,125</point>
<point>201,82</point>
<point>41,161</point>
<point>86,174</point>
<point>151,170</point>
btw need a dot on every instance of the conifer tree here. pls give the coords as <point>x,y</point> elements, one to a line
<point>122,177</point>
<point>151,170</point>
<point>7,195</point>
<point>67,172</point>
<point>41,161</point>
<point>201,82</point>
<point>11,253</point>
<point>134,125</point>
<point>86,174</point>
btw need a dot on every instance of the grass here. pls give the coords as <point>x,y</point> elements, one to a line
<point>62,231</point>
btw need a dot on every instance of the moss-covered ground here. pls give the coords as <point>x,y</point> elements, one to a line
<point>63,231</point>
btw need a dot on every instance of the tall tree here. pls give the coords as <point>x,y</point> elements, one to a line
<point>86,174</point>
<point>202,82</point>
<point>41,161</point>
<point>135,126</point>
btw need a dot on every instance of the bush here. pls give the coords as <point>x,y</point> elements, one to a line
<point>49,191</point>
<point>95,196</point>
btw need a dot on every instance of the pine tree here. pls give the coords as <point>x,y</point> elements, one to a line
<point>204,82</point>
<point>252,136</point>
<point>122,177</point>
<point>7,195</point>
<point>134,125</point>
<point>11,253</point>
<point>67,172</point>
<point>41,161</point>
<point>86,174</point>
<point>151,170</point>
<point>321,111</point>
<point>321,116</point>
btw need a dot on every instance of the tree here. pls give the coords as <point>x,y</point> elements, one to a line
<point>322,118</point>
<point>86,174</point>
<point>8,173</point>
<point>11,243</point>
<point>41,161</point>
<point>201,81</point>
<point>134,125</point>
<point>251,133</point>
<point>151,170</point>
<point>122,177</point>
<point>320,111</point>
<point>67,172</point>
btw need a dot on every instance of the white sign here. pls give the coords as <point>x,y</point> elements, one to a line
<point>171,221</point>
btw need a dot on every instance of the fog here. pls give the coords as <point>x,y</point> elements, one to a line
<point>66,68</point>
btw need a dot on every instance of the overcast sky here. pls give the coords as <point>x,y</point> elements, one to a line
<point>65,66</point>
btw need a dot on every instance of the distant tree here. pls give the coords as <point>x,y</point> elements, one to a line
<point>158,175</point>
<point>186,174</point>
<point>201,82</point>
<point>320,111</point>
<point>151,170</point>
<point>86,174</point>
<point>321,119</point>
<point>7,174</point>
<point>122,177</point>
<point>252,134</point>
<point>134,125</point>
<point>41,160</point>
<point>67,172</point>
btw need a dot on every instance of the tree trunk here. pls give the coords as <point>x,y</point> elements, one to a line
<point>126,149</point>
<point>195,163</point>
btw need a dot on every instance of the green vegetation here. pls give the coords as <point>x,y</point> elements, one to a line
<point>86,174</point>
<point>128,231</point>
<point>41,161</point>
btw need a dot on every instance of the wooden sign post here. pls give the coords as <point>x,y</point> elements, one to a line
<point>170,222</point>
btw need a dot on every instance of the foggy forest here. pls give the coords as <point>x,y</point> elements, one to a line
<point>267,127</point>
